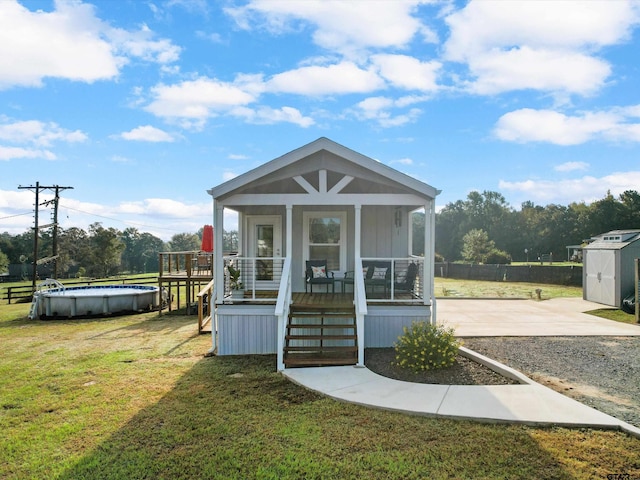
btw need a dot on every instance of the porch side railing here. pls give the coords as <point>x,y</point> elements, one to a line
<point>282,309</point>
<point>397,286</point>
<point>206,301</point>
<point>259,279</point>
<point>360,302</point>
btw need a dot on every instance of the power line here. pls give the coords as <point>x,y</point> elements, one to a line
<point>37,189</point>
<point>16,215</point>
<point>126,222</point>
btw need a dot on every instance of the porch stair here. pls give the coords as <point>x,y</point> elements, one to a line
<point>321,335</point>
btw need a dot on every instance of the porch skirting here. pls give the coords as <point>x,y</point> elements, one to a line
<point>252,329</point>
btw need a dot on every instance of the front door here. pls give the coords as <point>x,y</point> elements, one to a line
<point>265,251</point>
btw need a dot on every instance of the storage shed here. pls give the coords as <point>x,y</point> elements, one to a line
<point>609,266</point>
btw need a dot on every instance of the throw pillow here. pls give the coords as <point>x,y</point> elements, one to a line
<point>379,273</point>
<point>319,272</point>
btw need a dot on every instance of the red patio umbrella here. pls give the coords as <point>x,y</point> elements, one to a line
<point>207,238</point>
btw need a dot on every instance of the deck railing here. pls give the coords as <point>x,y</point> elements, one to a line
<point>396,283</point>
<point>191,263</point>
<point>259,279</point>
<point>360,302</point>
<point>206,301</point>
<point>282,309</point>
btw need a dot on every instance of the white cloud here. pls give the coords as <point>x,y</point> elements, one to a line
<point>403,161</point>
<point>267,116</point>
<point>345,27</point>
<point>571,166</point>
<point>196,99</point>
<point>69,42</point>
<point>147,133</point>
<point>12,153</point>
<point>529,125</point>
<point>587,188</point>
<point>409,73</point>
<point>380,109</point>
<point>540,69</point>
<point>539,45</point>
<point>228,175</point>
<point>37,133</point>
<point>342,78</point>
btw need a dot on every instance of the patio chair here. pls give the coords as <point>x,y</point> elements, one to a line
<point>317,273</point>
<point>204,263</point>
<point>378,275</point>
<point>405,281</point>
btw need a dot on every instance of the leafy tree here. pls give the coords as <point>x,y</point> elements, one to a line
<point>184,242</point>
<point>106,250</point>
<point>141,251</point>
<point>4,262</point>
<point>74,249</point>
<point>230,241</point>
<point>476,246</point>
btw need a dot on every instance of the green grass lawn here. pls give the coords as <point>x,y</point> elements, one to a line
<point>451,287</point>
<point>133,397</point>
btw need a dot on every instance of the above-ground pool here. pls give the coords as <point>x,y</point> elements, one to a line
<point>94,300</point>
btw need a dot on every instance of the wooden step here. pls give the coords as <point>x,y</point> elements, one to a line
<point>322,308</point>
<point>321,325</point>
<point>316,349</point>
<point>308,314</point>
<point>321,337</point>
<point>319,359</point>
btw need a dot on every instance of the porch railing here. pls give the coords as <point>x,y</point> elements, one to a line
<point>283,305</point>
<point>259,277</point>
<point>398,279</point>
<point>206,302</point>
<point>360,303</point>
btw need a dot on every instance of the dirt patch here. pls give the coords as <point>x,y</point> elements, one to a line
<point>463,372</point>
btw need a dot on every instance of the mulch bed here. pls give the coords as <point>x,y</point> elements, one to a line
<point>462,372</point>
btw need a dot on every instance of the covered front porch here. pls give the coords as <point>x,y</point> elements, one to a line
<point>347,217</point>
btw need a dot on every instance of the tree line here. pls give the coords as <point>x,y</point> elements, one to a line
<point>483,228</point>
<point>98,251</point>
<point>487,220</point>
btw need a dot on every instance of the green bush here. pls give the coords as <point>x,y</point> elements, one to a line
<point>498,257</point>
<point>424,347</point>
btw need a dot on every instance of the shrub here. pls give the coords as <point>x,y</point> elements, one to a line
<point>424,347</point>
<point>498,257</point>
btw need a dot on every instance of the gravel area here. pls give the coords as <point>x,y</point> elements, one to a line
<point>602,372</point>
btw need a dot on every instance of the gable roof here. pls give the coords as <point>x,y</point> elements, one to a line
<point>323,144</point>
<point>614,240</point>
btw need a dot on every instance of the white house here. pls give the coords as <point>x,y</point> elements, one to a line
<point>321,205</point>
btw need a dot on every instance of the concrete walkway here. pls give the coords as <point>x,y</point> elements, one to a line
<point>527,403</point>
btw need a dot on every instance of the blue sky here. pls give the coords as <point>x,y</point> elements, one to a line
<point>142,106</point>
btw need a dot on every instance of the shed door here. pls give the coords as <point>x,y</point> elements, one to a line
<point>601,277</point>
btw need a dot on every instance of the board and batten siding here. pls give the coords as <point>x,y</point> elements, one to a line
<point>247,331</point>
<point>383,325</point>
<point>252,330</point>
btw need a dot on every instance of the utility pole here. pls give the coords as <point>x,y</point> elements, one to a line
<point>37,188</point>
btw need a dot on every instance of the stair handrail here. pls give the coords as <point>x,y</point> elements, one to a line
<point>283,304</point>
<point>360,302</point>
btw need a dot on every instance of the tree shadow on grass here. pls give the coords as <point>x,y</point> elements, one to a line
<point>235,417</point>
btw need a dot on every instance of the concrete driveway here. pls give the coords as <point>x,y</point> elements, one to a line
<point>527,318</point>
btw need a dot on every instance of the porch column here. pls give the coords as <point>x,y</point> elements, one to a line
<point>289,225</point>
<point>357,254</point>
<point>218,262</point>
<point>429,256</point>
